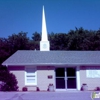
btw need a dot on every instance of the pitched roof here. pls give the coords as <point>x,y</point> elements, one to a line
<point>30,57</point>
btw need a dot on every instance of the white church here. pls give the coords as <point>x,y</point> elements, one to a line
<point>66,70</point>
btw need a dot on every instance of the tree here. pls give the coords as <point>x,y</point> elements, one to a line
<point>36,36</point>
<point>18,41</point>
<point>36,40</point>
<point>9,80</point>
<point>4,49</point>
<point>58,41</point>
<point>81,39</point>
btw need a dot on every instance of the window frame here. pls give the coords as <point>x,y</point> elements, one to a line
<point>35,73</point>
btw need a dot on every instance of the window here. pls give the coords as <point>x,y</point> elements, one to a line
<point>93,72</point>
<point>30,76</point>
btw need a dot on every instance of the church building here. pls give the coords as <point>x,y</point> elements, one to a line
<point>66,70</point>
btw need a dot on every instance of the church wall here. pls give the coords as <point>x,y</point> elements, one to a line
<point>92,82</point>
<point>45,76</point>
<point>43,72</point>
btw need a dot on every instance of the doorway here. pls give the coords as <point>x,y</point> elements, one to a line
<point>65,78</point>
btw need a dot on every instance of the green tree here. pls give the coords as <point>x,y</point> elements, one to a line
<point>58,41</point>
<point>9,80</point>
<point>4,49</point>
<point>18,41</point>
<point>36,37</point>
<point>81,39</point>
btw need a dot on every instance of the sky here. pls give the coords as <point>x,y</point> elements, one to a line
<point>61,16</point>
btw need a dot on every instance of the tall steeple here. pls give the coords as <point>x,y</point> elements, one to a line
<point>44,43</point>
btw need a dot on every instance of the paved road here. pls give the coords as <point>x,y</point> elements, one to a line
<point>86,95</point>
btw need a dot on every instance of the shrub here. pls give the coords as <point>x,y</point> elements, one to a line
<point>24,89</point>
<point>97,89</point>
<point>9,80</point>
<point>37,89</point>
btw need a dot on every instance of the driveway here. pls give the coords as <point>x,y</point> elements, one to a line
<point>78,95</point>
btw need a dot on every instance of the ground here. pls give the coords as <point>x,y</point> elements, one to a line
<point>68,95</point>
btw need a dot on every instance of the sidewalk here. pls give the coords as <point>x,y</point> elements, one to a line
<point>46,95</point>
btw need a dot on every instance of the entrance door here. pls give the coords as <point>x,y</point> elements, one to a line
<point>60,78</point>
<point>71,78</point>
<point>66,78</point>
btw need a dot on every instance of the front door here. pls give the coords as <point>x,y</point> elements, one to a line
<point>66,78</point>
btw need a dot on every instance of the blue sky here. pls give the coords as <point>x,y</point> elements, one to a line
<point>61,15</point>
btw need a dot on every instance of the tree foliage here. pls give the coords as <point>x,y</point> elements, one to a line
<point>78,39</point>
<point>4,49</point>
<point>18,41</point>
<point>9,80</point>
<point>36,40</point>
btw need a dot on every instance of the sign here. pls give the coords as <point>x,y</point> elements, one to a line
<point>93,72</point>
<point>50,77</point>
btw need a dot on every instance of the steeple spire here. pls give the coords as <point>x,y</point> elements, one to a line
<point>44,43</point>
<point>44,28</point>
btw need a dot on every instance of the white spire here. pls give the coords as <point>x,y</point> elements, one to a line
<point>44,43</point>
<point>44,29</point>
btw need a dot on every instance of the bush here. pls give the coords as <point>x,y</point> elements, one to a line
<point>24,89</point>
<point>97,89</point>
<point>37,89</point>
<point>9,80</point>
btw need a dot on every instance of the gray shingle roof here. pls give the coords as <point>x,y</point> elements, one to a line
<point>30,57</point>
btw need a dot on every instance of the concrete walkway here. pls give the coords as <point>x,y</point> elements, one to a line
<point>78,95</point>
